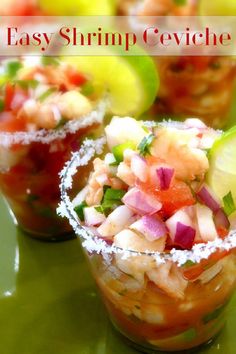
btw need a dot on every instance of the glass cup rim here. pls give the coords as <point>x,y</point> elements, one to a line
<point>92,243</point>
<point>46,136</point>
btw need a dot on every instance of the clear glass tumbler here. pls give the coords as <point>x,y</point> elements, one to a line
<point>30,163</point>
<point>169,301</point>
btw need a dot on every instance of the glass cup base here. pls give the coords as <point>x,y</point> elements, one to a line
<point>145,350</point>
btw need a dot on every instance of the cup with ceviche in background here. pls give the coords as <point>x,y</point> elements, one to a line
<point>45,115</point>
<point>158,238</point>
<point>196,86</point>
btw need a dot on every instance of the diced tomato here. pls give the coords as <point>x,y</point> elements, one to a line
<point>177,196</point>
<point>76,78</point>
<point>9,123</point>
<point>9,94</point>
<point>222,232</point>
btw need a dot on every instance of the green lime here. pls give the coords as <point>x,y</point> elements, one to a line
<point>217,7</point>
<point>131,82</point>
<point>222,173</point>
<point>78,7</point>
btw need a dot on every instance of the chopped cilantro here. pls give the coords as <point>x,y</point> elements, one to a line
<point>12,67</point>
<point>2,105</point>
<point>114,194</point>
<point>144,146</point>
<point>25,84</point>
<point>79,209</point>
<point>46,94</point>
<point>87,89</point>
<point>111,199</point>
<point>99,209</point>
<point>61,123</point>
<point>32,197</point>
<point>180,2</point>
<point>188,264</point>
<point>229,206</point>
<point>49,61</point>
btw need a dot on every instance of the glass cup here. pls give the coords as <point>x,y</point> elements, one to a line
<point>196,86</point>
<point>30,163</point>
<point>191,85</point>
<point>158,301</point>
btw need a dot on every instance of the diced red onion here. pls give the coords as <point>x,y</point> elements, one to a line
<point>139,167</point>
<point>206,196</point>
<point>181,230</point>
<point>165,175</point>
<point>141,202</point>
<point>152,227</point>
<point>221,219</point>
<point>184,236</point>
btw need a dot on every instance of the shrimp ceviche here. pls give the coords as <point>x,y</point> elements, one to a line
<point>149,196</point>
<point>44,116</point>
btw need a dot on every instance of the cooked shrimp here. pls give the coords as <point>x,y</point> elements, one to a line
<point>136,266</point>
<point>168,278</point>
<point>179,149</point>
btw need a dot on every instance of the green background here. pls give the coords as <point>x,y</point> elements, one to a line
<point>49,303</point>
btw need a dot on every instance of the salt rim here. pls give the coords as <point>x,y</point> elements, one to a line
<point>47,136</point>
<point>92,243</point>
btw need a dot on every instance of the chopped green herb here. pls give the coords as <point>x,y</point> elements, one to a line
<point>214,314</point>
<point>46,212</point>
<point>79,209</point>
<point>49,61</point>
<point>188,264</point>
<point>215,65</point>
<point>25,84</point>
<point>87,89</point>
<point>61,123</point>
<point>229,206</point>
<point>12,67</point>
<point>118,150</point>
<point>137,307</point>
<point>111,199</point>
<point>46,94</point>
<point>99,209</point>
<point>144,146</point>
<point>122,292</point>
<point>180,2</point>
<point>32,197</point>
<point>114,194</point>
<point>2,105</point>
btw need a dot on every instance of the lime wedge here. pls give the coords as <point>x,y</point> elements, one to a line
<point>217,7</point>
<point>78,7</point>
<point>222,173</point>
<point>131,82</point>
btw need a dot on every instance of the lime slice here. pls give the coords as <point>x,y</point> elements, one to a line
<point>131,82</point>
<point>78,7</point>
<point>222,173</point>
<point>217,7</point>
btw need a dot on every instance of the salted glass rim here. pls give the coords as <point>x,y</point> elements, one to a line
<point>93,243</point>
<point>46,136</point>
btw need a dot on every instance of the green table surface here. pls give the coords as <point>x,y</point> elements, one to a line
<point>49,303</point>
